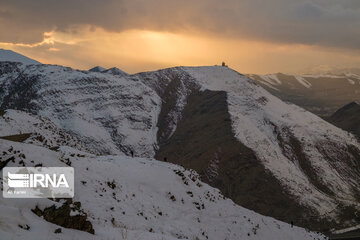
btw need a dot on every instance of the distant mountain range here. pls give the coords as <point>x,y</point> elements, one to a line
<point>327,70</point>
<point>321,94</point>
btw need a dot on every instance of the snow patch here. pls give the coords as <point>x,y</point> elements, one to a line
<point>303,81</point>
<point>352,82</point>
<point>271,79</point>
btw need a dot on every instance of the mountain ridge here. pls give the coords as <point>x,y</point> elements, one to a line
<point>304,156</point>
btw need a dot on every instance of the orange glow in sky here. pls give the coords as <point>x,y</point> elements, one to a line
<point>141,50</point>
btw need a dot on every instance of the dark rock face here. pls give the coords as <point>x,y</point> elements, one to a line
<point>17,137</point>
<point>17,91</point>
<point>24,88</point>
<point>173,86</point>
<point>5,162</point>
<point>204,141</point>
<point>347,118</point>
<point>61,216</point>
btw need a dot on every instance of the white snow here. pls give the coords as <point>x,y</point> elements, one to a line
<point>352,75</point>
<point>109,113</point>
<point>352,82</point>
<point>303,81</point>
<point>322,76</point>
<point>269,85</point>
<point>253,124</point>
<point>149,201</point>
<point>43,131</point>
<point>347,229</point>
<point>271,79</point>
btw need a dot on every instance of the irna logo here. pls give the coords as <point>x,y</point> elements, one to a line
<point>46,182</point>
<point>36,180</point>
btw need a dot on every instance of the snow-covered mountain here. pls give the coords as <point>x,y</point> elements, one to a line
<point>97,69</point>
<point>119,197</point>
<point>321,94</point>
<point>113,71</point>
<point>332,70</point>
<point>111,115</point>
<point>232,131</point>
<point>266,155</point>
<point>11,56</point>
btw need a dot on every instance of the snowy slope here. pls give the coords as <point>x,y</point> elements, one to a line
<point>257,117</point>
<point>110,114</point>
<point>134,198</point>
<point>10,56</point>
<point>37,130</point>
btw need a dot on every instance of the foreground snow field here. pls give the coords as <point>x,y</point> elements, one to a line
<point>133,198</point>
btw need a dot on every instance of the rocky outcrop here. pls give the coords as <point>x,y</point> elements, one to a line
<point>63,216</point>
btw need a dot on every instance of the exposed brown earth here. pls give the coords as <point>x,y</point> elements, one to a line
<point>17,137</point>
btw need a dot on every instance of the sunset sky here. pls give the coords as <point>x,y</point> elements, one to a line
<point>251,36</point>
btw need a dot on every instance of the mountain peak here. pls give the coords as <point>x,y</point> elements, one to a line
<point>352,104</point>
<point>97,69</point>
<point>347,118</point>
<point>11,56</point>
<point>115,71</point>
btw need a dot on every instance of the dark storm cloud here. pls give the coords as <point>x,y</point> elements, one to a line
<point>322,22</point>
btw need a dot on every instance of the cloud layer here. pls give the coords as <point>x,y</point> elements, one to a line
<point>330,23</point>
